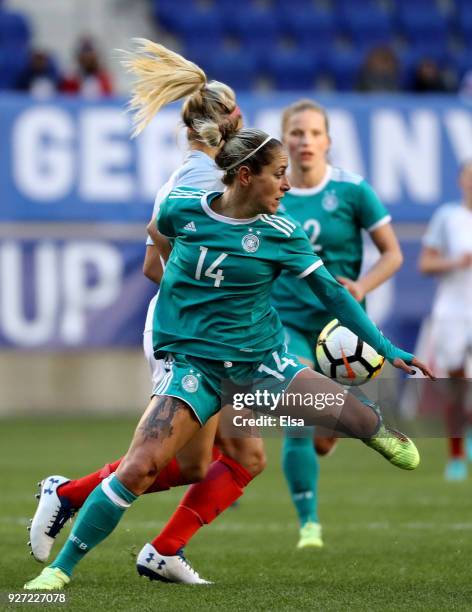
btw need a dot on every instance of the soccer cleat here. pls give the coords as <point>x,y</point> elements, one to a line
<point>456,470</point>
<point>310,536</point>
<point>50,516</point>
<point>395,447</point>
<point>173,568</point>
<point>50,579</point>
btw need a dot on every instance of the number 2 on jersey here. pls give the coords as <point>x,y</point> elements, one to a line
<point>210,271</point>
<point>313,228</point>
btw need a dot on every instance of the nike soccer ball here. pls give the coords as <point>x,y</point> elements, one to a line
<point>344,356</point>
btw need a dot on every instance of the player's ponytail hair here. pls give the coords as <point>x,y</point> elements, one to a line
<point>247,147</point>
<point>163,76</point>
<point>214,133</point>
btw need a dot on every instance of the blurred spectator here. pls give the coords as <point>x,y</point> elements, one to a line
<point>40,76</point>
<point>428,78</point>
<point>379,71</point>
<point>91,79</point>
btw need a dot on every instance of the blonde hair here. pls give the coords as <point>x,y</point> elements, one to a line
<point>300,106</point>
<point>162,77</point>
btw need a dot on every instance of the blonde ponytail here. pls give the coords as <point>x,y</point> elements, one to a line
<point>162,77</point>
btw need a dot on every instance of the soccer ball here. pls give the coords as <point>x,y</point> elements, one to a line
<point>344,356</point>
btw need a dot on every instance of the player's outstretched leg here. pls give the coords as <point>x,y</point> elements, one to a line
<point>301,469</point>
<point>165,427</point>
<point>342,413</point>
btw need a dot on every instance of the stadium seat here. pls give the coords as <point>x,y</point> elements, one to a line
<point>199,51</point>
<point>15,31</point>
<point>417,5</point>
<point>237,69</point>
<point>464,20</point>
<point>292,70</point>
<point>464,62</point>
<point>11,66</point>
<point>226,7</point>
<point>252,23</point>
<point>343,67</point>
<point>195,24</point>
<point>423,26</point>
<point>368,27</point>
<point>436,49</point>
<point>303,33</point>
<point>166,12</point>
<point>315,27</point>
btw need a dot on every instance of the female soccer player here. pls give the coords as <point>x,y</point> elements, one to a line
<point>218,278</point>
<point>447,253</point>
<point>333,206</point>
<point>172,77</point>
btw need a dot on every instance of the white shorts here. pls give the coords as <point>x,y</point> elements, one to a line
<point>451,342</point>
<point>156,365</point>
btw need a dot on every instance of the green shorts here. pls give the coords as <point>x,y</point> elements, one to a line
<point>207,385</point>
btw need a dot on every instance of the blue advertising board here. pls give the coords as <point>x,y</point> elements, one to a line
<point>68,160</point>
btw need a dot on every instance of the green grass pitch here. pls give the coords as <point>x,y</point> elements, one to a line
<point>393,540</point>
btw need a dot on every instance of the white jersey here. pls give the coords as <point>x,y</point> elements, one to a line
<point>450,232</point>
<point>198,170</point>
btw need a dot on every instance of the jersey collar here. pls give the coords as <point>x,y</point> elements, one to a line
<point>208,197</point>
<point>308,191</point>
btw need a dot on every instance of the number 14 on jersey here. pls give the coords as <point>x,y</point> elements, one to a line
<point>210,271</point>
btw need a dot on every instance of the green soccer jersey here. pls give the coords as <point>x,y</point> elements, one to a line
<point>214,300</point>
<point>332,215</point>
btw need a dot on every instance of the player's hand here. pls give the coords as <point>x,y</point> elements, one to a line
<point>401,365</point>
<point>465,261</point>
<point>353,287</point>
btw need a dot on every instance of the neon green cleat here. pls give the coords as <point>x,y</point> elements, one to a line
<point>396,448</point>
<point>310,536</point>
<point>50,579</point>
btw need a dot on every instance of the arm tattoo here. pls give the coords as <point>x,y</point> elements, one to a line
<point>158,423</point>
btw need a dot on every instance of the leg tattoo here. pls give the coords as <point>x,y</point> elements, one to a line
<point>158,423</point>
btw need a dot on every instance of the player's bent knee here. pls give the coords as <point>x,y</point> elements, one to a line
<point>254,462</point>
<point>260,462</point>
<point>195,472</point>
<point>138,470</point>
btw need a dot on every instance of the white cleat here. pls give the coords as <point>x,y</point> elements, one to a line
<point>175,568</point>
<point>49,518</point>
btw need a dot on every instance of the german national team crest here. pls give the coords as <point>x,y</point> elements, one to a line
<point>330,201</point>
<point>250,243</point>
<point>190,383</point>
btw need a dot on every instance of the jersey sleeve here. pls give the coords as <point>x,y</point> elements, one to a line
<point>189,175</point>
<point>165,217</point>
<point>160,197</point>
<point>371,212</point>
<point>435,235</point>
<point>340,303</point>
<point>296,254</point>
